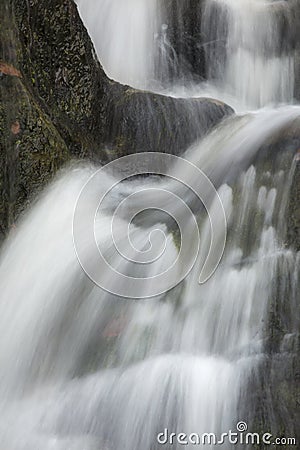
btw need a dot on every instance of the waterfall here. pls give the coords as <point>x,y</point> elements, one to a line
<point>81,367</point>
<point>249,58</point>
<point>125,35</point>
<point>93,369</point>
<point>244,48</point>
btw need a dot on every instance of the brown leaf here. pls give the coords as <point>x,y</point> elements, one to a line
<point>15,127</point>
<point>8,69</point>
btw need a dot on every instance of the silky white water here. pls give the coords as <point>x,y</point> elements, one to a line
<point>252,68</point>
<point>255,71</point>
<point>125,37</point>
<point>83,369</point>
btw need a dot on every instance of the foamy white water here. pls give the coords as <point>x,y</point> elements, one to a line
<point>255,71</point>
<point>251,68</point>
<point>83,369</point>
<point>125,36</point>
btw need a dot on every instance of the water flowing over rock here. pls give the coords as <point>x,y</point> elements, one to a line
<point>80,366</point>
<point>67,107</point>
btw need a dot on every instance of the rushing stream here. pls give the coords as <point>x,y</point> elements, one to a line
<point>81,368</point>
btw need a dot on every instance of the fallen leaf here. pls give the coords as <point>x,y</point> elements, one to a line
<point>15,128</point>
<point>8,69</point>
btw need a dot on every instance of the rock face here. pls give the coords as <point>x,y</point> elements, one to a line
<point>281,374</point>
<point>198,32</point>
<point>143,121</point>
<point>271,402</point>
<point>274,390</point>
<point>283,150</point>
<point>183,19</point>
<point>31,148</point>
<point>57,103</point>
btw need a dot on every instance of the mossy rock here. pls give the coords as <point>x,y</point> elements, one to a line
<point>143,121</point>
<point>57,103</point>
<point>91,111</point>
<point>32,149</point>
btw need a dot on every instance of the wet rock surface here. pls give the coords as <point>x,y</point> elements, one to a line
<point>182,21</point>
<point>199,37</point>
<point>271,401</point>
<point>57,103</point>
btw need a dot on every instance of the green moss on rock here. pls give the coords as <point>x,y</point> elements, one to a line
<point>32,149</point>
<point>63,105</point>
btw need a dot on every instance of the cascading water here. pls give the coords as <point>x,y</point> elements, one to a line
<point>124,35</point>
<point>83,369</point>
<point>249,47</point>
<point>258,68</point>
<point>91,369</point>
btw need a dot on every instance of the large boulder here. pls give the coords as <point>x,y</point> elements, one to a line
<point>143,121</point>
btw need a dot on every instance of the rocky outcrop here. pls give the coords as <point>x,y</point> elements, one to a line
<point>271,400</point>
<point>198,30</point>
<point>273,395</point>
<point>31,148</point>
<point>283,150</point>
<point>143,121</point>
<point>57,103</point>
<point>182,20</point>
<point>293,216</point>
